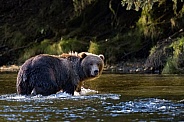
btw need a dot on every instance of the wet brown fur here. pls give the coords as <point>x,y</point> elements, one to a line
<point>45,74</point>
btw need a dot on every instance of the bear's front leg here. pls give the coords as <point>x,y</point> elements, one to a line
<point>69,88</point>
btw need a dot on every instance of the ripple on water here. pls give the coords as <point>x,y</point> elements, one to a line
<point>147,105</point>
<point>88,105</point>
<point>47,107</point>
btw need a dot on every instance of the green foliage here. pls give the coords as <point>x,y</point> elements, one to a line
<point>153,49</point>
<point>147,25</point>
<point>170,67</point>
<point>53,48</point>
<point>16,39</point>
<point>122,46</point>
<point>79,5</point>
<point>137,4</point>
<point>175,63</point>
<point>45,47</point>
<point>93,48</point>
<point>155,22</point>
<point>72,44</point>
<point>50,48</point>
<point>115,32</point>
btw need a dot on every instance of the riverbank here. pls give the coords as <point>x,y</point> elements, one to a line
<point>10,68</point>
<point>123,67</point>
<point>127,67</point>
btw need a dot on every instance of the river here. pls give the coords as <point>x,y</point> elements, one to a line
<point>112,97</point>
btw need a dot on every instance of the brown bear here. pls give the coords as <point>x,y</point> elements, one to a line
<point>46,74</point>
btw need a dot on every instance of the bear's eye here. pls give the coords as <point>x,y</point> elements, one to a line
<point>90,64</point>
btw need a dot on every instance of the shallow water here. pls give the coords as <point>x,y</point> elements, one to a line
<point>112,97</point>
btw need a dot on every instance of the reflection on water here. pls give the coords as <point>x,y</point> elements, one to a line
<point>119,98</point>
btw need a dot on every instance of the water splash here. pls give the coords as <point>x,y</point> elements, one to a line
<point>147,105</point>
<point>90,103</point>
<point>85,94</point>
<point>94,106</point>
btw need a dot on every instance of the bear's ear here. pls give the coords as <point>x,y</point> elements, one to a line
<point>83,55</point>
<point>102,56</point>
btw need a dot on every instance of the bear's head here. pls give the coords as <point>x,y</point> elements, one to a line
<point>92,64</point>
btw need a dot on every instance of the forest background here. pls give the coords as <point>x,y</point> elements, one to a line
<point>122,30</point>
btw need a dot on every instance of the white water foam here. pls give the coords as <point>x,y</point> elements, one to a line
<point>84,94</point>
<point>147,105</point>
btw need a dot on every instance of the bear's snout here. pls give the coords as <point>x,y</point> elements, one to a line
<point>96,72</point>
